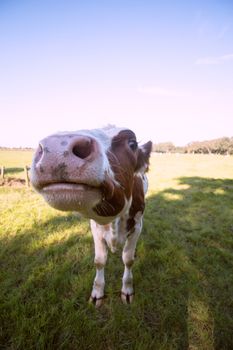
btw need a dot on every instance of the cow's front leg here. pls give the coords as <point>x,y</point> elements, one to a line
<point>127,290</point>
<point>101,253</point>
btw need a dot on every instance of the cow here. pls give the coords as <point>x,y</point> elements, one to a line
<point>100,173</point>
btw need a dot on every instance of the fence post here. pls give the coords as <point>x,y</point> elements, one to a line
<point>2,172</point>
<point>26,175</point>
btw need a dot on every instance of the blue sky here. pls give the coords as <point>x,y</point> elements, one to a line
<point>162,68</point>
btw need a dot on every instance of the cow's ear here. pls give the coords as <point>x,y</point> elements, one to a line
<point>144,152</point>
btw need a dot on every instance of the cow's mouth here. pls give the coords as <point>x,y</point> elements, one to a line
<point>71,196</point>
<point>67,186</point>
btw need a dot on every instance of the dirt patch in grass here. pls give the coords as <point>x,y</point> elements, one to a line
<point>13,182</point>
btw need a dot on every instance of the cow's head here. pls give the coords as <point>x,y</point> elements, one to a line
<point>91,172</point>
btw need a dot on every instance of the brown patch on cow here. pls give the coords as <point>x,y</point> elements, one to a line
<point>124,161</point>
<point>107,188</point>
<point>138,202</point>
<point>113,200</point>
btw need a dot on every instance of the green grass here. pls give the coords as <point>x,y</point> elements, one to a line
<point>183,273</point>
<point>14,161</point>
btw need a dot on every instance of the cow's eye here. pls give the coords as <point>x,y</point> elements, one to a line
<point>133,145</point>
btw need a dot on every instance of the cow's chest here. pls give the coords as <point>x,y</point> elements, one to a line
<point>116,234</point>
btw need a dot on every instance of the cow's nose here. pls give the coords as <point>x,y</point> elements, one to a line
<point>72,150</point>
<point>83,147</point>
<point>38,154</point>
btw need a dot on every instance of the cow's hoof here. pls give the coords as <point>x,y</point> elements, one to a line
<point>127,298</point>
<point>96,301</point>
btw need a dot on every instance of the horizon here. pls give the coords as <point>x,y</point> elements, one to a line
<point>162,69</point>
<point>154,143</point>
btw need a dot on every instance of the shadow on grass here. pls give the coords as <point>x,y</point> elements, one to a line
<point>183,276</point>
<point>191,230</point>
<point>41,279</point>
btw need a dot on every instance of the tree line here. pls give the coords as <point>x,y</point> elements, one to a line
<point>16,148</point>
<point>222,145</point>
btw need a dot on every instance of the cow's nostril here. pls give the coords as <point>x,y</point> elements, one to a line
<point>83,147</point>
<point>39,153</point>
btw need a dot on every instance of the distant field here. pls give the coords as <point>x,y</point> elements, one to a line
<point>167,169</point>
<point>183,273</point>
<point>14,161</point>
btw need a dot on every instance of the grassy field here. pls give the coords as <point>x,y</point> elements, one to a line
<point>183,273</point>
<point>14,162</point>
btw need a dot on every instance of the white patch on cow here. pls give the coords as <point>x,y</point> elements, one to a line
<point>144,179</point>
<point>114,131</point>
<point>145,183</point>
<point>128,259</point>
<point>142,170</point>
<point>100,261</point>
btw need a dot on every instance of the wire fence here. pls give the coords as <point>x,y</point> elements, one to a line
<point>4,170</point>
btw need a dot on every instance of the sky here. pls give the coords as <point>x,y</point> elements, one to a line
<point>162,68</point>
